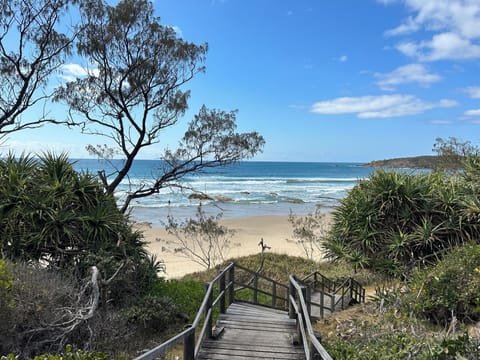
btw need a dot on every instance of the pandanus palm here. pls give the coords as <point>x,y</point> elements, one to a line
<point>395,221</point>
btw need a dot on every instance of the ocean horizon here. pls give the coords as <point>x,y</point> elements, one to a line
<point>244,189</point>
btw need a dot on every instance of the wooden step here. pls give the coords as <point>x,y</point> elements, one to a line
<point>253,332</point>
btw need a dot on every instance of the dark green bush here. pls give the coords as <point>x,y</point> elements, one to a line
<point>186,294</point>
<point>450,288</point>
<point>394,222</point>
<point>51,214</point>
<point>153,313</point>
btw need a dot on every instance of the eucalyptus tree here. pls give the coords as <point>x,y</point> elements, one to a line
<point>32,48</point>
<point>133,93</point>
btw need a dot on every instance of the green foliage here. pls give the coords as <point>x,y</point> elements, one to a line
<point>186,294</point>
<point>68,354</point>
<point>365,332</point>
<point>394,222</point>
<point>52,214</point>
<point>451,288</point>
<point>399,345</point>
<point>152,312</point>
<point>6,277</point>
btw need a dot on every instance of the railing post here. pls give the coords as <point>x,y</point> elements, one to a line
<point>222,291</point>
<point>322,304</point>
<point>255,288</point>
<point>208,307</point>
<point>350,285</point>
<point>291,292</point>
<point>189,346</point>
<point>306,297</point>
<point>274,295</point>
<point>231,289</point>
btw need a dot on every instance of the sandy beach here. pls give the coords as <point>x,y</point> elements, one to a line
<point>276,232</point>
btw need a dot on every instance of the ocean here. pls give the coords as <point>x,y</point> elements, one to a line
<point>244,189</point>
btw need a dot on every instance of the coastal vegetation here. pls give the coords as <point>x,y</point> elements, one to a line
<point>451,154</point>
<point>75,277</point>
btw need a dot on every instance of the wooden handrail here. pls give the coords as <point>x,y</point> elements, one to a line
<point>187,336</point>
<point>297,299</point>
<point>311,344</point>
<point>349,289</point>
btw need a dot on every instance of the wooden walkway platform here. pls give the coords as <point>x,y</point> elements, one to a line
<point>253,332</point>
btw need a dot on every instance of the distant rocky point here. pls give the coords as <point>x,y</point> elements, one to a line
<point>416,162</point>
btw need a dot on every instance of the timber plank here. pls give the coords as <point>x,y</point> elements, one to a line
<point>253,332</point>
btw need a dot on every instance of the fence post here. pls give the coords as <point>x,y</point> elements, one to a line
<point>255,288</point>
<point>222,291</point>
<point>350,284</point>
<point>306,297</point>
<point>231,280</point>
<point>208,307</point>
<point>322,303</point>
<point>274,295</point>
<point>189,346</point>
<point>291,291</point>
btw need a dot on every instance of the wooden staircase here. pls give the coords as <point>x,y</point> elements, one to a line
<point>249,331</point>
<point>260,318</point>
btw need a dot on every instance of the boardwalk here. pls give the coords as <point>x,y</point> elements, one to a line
<point>253,332</point>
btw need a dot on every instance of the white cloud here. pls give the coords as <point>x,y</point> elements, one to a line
<point>412,73</point>
<point>473,92</point>
<point>383,106</point>
<point>454,23</point>
<point>440,122</point>
<point>408,27</point>
<point>442,46</point>
<point>177,30</point>
<point>474,112</point>
<point>71,72</point>
<point>343,58</point>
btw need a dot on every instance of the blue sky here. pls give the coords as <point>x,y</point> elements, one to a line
<point>336,80</point>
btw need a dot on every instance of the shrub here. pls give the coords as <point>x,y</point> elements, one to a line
<point>68,354</point>
<point>394,222</point>
<point>451,288</point>
<point>186,294</point>
<point>151,312</point>
<point>51,214</point>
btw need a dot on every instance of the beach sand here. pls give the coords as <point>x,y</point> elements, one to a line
<point>276,232</point>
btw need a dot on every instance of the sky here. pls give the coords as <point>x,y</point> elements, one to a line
<point>323,80</point>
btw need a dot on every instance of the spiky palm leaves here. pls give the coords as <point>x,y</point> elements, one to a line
<point>64,219</point>
<point>395,221</point>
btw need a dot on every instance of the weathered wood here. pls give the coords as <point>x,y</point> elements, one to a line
<point>222,292</point>
<point>253,332</point>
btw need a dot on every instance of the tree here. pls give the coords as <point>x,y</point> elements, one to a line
<point>202,239</point>
<point>309,232</point>
<point>134,93</point>
<point>452,152</point>
<point>40,51</point>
